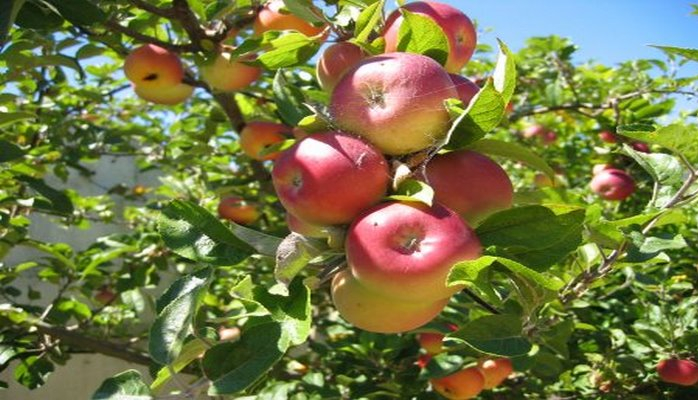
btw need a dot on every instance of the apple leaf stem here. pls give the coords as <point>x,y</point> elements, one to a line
<point>480,301</point>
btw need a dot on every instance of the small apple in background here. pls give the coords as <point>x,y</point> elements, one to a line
<point>139,190</point>
<point>423,360</point>
<point>227,76</point>
<point>466,88</point>
<point>274,17</point>
<point>153,67</point>
<point>228,334</point>
<point>236,209</point>
<point>395,101</point>
<point>256,136</point>
<point>406,250</point>
<point>169,95</point>
<point>613,184</point>
<point>374,311</point>
<point>457,27</point>
<point>432,342</point>
<point>301,227</point>
<point>469,183</point>
<point>548,137</point>
<point>543,180</point>
<point>534,130</point>
<point>329,178</point>
<point>600,167</point>
<point>608,137</point>
<point>494,370</point>
<point>464,384</point>
<point>105,295</point>
<point>680,372</point>
<point>642,147</point>
<point>335,61</point>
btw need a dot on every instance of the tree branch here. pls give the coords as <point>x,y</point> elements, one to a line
<point>177,48</point>
<point>162,12</point>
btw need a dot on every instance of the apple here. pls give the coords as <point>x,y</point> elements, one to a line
<point>457,28</point>
<point>395,101</point>
<point>228,334</point>
<point>256,136</point>
<point>680,372</point>
<point>642,147</point>
<point>549,137</point>
<point>494,370</point>
<point>227,76</point>
<point>534,130</point>
<point>153,67</point>
<point>168,95</point>
<point>423,360</point>
<point>329,178</point>
<point>464,384</point>
<point>374,311</point>
<point>543,180</point>
<point>608,137</point>
<point>236,209</point>
<point>466,88</point>
<point>432,342</point>
<point>405,250</point>
<point>613,184</point>
<point>105,295</point>
<point>274,17</point>
<point>335,61</point>
<point>469,183</point>
<point>600,167</point>
<point>299,226</point>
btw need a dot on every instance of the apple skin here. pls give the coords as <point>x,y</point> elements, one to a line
<point>608,137</point>
<point>271,18</point>
<point>680,372</point>
<point>335,61</point>
<point>153,67</point>
<point>466,88</point>
<point>464,384</point>
<point>169,95</point>
<point>301,227</point>
<point>613,184</point>
<point>549,137</point>
<point>375,312</point>
<point>394,101</point>
<point>227,76</point>
<point>258,135</point>
<point>495,371</point>
<point>600,167</point>
<point>329,178</point>
<point>234,208</point>
<point>642,147</point>
<point>406,250</point>
<point>469,183</point>
<point>458,28</point>
<point>432,342</point>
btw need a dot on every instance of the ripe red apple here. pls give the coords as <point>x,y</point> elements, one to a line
<point>613,184</point>
<point>470,183</point>
<point>166,95</point>
<point>423,360</point>
<point>494,370</point>
<point>236,209</point>
<point>608,137</point>
<point>256,136</point>
<point>457,27</point>
<point>466,88</point>
<point>464,384</point>
<point>329,178</point>
<point>227,76</point>
<point>273,17</point>
<point>375,311</point>
<point>680,372</point>
<point>643,147</point>
<point>394,101</point>
<point>406,250</point>
<point>151,67</point>
<point>335,61</point>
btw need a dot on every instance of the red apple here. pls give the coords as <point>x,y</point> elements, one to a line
<point>549,137</point>
<point>543,180</point>
<point>470,183</point>
<point>406,250</point>
<point>432,342</point>
<point>335,61</point>
<point>608,137</point>
<point>680,372</point>
<point>236,209</point>
<point>151,66</point>
<point>534,130</point>
<point>256,136</point>
<point>495,371</point>
<point>462,385</point>
<point>376,312</point>
<point>466,88</point>
<point>613,184</point>
<point>395,101</point>
<point>457,27</point>
<point>642,147</point>
<point>273,17</point>
<point>329,178</point>
<point>227,76</point>
<point>423,360</point>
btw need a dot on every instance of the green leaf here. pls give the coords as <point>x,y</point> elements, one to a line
<point>305,9</point>
<point>314,123</point>
<point>494,334</point>
<point>33,371</point>
<point>690,54</point>
<point>176,310</point>
<point>233,367</point>
<point>190,352</point>
<point>38,15</point>
<point>421,35</point>
<point>8,13</point>
<point>264,244</point>
<point>466,272</point>
<point>127,385</point>
<point>513,151</point>
<point>292,255</point>
<point>367,21</point>
<point>58,200</point>
<point>192,232</point>
<point>6,354</point>
<point>505,72</point>
<point>679,138</point>
<point>413,190</point>
<point>8,118</point>
<point>287,50</point>
<point>9,151</point>
<point>289,100</point>
<point>664,168</point>
<point>79,12</point>
<point>483,114</point>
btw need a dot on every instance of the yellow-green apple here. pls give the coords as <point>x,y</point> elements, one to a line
<point>405,250</point>
<point>166,95</point>
<point>469,183</point>
<point>236,209</point>
<point>607,137</point>
<point>494,370</point>
<point>328,178</point>
<point>299,226</point>
<point>375,312</point>
<point>335,61</point>
<point>464,384</point>
<point>225,75</point>
<point>432,342</point>
<point>678,371</point>
<point>613,184</point>
<point>274,17</point>
<point>257,136</point>
<point>394,101</point>
<point>457,28</point>
<point>151,67</point>
<point>466,88</point>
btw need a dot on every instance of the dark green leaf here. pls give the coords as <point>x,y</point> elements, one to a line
<point>289,100</point>
<point>679,138</point>
<point>494,334</point>
<point>127,385</point>
<point>691,54</point>
<point>513,151</point>
<point>421,35</point>
<point>33,371</point>
<point>8,118</point>
<point>8,13</point>
<point>39,15</point>
<point>292,255</point>
<point>466,272</point>
<point>79,12</point>
<point>58,200</point>
<point>9,151</point>
<point>305,9</point>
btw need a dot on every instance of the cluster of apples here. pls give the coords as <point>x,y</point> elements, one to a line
<point>468,382</point>
<point>678,371</point>
<point>384,109</point>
